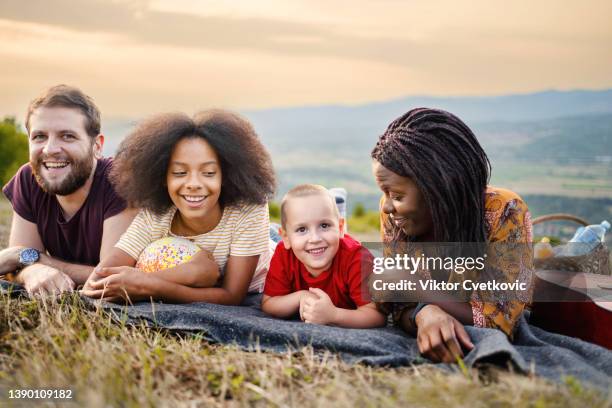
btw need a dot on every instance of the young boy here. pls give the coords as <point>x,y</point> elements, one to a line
<point>317,269</point>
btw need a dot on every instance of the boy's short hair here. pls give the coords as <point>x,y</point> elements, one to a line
<point>304,190</point>
<point>68,97</point>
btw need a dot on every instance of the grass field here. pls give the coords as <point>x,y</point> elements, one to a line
<point>59,344</point>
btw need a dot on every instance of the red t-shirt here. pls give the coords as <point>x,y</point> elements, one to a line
<point>344,282</point>
<point>79,239</point>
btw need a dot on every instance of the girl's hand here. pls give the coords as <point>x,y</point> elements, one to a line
<point>115,284</point>
<point>94,277</point>
<point>319,309</point>
<point>440,336</point>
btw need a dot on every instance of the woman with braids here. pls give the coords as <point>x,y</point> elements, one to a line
<point>206,179</point>
<point>434,175</point>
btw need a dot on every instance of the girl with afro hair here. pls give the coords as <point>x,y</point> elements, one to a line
<point>206,179</point>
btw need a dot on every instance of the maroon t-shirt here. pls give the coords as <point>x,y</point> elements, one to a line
<point>79,239</point>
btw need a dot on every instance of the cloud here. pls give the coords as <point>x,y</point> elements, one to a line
<point>137,22</point>
<point>138,57</point>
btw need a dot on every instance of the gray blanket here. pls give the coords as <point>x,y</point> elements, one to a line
<point>552,356</point>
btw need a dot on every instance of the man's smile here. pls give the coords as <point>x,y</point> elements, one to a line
<point>55,164</point>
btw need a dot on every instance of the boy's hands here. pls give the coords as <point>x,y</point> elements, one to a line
<point>317,308</point>
<point>304,294</point>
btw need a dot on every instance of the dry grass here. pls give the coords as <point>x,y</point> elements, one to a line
<point>60,344</point>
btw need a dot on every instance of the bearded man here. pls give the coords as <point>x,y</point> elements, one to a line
<point>66,213</point>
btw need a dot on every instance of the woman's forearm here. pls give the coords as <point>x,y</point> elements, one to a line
<point>461,311</point>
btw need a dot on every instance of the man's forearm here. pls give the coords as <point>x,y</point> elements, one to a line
<point>9,260</point>
<point>78,273</point>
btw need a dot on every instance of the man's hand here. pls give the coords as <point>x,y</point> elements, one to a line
<point>9,259</point>
<point>39,279</point>
<point>319,310</point>
<point>117,284</point>
<point>440,336</point>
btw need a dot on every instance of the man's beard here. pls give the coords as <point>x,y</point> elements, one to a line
<point>80,172</point>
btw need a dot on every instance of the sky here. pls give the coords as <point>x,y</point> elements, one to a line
<point>136,57</point>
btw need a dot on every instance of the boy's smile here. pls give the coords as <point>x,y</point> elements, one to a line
<point>313,231</point>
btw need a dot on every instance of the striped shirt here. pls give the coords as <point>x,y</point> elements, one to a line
<point>244,230</point>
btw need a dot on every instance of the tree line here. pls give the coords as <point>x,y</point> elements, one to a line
<point>13,148</point>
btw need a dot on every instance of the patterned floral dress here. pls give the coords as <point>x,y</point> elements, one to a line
<point>507,220</point>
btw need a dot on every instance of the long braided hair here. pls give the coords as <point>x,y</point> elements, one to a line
<point>442,156</point>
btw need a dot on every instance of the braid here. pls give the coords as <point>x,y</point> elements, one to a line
<point>443,157</point>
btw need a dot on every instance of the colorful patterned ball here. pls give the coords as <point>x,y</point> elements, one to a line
<point>166,253</point>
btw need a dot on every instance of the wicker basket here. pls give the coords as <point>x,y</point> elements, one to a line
<point>596,261</point>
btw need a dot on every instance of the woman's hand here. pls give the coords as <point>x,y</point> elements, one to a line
<point>440,336</point>
<point>115,284</point>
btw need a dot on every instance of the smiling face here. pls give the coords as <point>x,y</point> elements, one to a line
<point>313,230</point>
<point>404,203</point>
<point>194,183</point>
<point>62,154</point>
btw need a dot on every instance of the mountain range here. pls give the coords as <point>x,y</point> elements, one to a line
<point>550,143</point>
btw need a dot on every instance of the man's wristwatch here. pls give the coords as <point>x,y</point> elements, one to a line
<point>28,256</point>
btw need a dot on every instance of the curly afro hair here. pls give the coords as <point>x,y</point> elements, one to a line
<point>140,166</point>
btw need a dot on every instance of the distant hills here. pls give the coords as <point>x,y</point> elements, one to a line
<point>519,107</point>
<point>544,144</point>
<point>373,117</point>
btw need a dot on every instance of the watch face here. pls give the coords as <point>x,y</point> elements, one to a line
<point>28,256</point>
